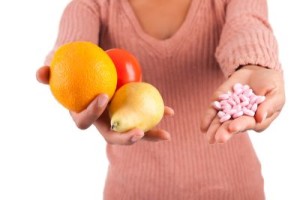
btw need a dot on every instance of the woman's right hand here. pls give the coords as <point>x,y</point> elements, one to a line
<point>97,115</point>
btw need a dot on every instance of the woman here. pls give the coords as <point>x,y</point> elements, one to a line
<point>192,51</point>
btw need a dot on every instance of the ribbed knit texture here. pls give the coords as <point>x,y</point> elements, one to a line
<point>216,37</point>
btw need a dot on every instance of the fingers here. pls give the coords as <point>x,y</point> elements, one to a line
<point>168,111</point>
<point>266,123</point>
<point>95,114</point>
<point>222,132</point>
<point>43,75</point>
<point>155,135</point>
<point>112,137</point>
<point>218,132</point>
<point>127,138</point>
<point>264,82</point>
<point>268,110</point>
<point>241,124</point>
<point>88,116</point>
<point>273,104</point>
<point>210,134</point>
<point>133,136</point>
<point>207,119</point>
<point>130,137</point>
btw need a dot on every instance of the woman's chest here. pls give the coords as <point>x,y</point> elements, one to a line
<point>160,19</point>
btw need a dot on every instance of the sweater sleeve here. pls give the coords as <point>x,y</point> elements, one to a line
<point>247,37</point>
<point>80,21</point>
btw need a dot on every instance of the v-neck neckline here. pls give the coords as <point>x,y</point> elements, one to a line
<point>177,35</point>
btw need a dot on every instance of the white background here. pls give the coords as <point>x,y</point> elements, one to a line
<point>44,156</point>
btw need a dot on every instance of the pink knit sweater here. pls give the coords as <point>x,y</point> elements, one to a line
<point>216,37</point>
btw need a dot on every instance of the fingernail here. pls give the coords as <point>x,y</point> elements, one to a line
<point>135,138</point>
<point>102,100</point>
<point>167,138</point>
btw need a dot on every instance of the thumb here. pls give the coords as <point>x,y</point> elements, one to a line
<point>43,75</point>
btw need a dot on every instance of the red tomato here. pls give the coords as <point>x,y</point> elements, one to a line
<point>128,67</point>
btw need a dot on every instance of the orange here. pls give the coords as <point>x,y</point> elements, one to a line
<point>79,71</point>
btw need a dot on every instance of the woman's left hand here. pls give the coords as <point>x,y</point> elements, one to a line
<point>263,81</point>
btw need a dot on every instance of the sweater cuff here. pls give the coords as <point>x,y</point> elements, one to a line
<point>256,48</point>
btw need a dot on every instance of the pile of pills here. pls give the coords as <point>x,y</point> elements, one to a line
<point>242,101</point>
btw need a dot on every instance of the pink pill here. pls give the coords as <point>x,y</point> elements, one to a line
<point>253,99</point>
<point>224,96</point>
<point>238,91</point>
<point>238,107</point>
<point>231,102</point>
<point>232,111</point>
<point>238,88</point>
<point>254,107</point>
<point>249,106</point>
<point>237,114</point>
<point>248,92</point>
<point>226,106</point>
<point>216,105</point>
<point>221,114</point>
<point>226,110</point>
<point>246,87</point>
<point>260,99</point>
<point>243,97</point>
<point>248,112</point>
<point>244,103</point>
<point>223,101</point>
<point>236,98</point>
<point>225,118</point>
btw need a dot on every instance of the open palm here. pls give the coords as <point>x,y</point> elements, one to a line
<point>263,81</point>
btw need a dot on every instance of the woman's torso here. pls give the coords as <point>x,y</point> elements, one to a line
<point>180,63</point>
